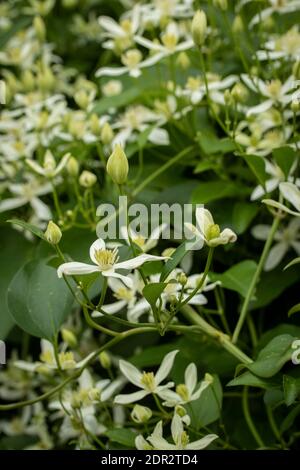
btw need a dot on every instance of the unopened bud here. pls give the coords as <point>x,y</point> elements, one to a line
<point>199,27</point>
<point>182,279</point>
<point>117,165</point>
<point>183,60</point>
<point>95,124</point>
<point>237,25</point>
<point>28,80</point>
<point>106,134</point>
<point>141,414</point>
<point>53,233</point>
<point>40,28</point>
<point>105,360</point>
<point>295,106</point>
<point>69,337</point>
<point>239,93</point>
<point>87,179</point>
<point>73,166</point>
<point>82,99</point>
<point>208,378</point>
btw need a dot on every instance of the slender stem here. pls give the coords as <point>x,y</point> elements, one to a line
<point>95,325</point>
<point>56,201</point>
<point>248,418</point>
<point>202,280</point>
<point>255,279</point>
<point>103,292</point>
<point>163,168</point>
<point>209,330</point>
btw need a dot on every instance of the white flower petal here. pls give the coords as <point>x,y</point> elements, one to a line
<point>138,261</point>
<point>131,373</point>
<point>131,397</point>
<point>75,268</point>
<point>202,443</point>
<point>291,193</point>
<point>99,244</point>
<point>165,367</point>
<point>190,377</point>
<point>276,254</point>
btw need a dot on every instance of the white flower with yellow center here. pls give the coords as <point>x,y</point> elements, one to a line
<point>49,169</point>
<point>206,231</point>
<point>48,361</point>
<point>275,92</point>
<point>28,193</point>
<point>148,382</point>
<point>188,391</point>
<point>169,44</point>
<point>291,193</point>
<point>287,45</point>
<point>133,63</point>
<point>120,35</point>
<point>105,262</point>
<point>276,6</point>
<point>179,436</point>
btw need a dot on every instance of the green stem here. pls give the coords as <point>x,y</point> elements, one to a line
<point>202,280</point>
<point>209,330</point>
<point>248,418</point>
<point>255,279</point>
<point>95,325</point>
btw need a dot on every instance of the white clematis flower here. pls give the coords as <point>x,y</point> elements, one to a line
<point>276,6</point>
<point>208,232</point>
<point>285,239</point>
<point>291,193</point>
<point>187,392</point>
<point>179,436</point>
<point>148,382</point>
<point>274,91</point>
<point>49,168</point>
<point>105,262</point>
<point>28,193</point>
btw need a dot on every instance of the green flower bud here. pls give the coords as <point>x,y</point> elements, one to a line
<point>82,99</point>
<point>183,60</point>
<point>141,414</point>
<point>239,93</point>
<point>117,165</point>
<point>105,360</point>
<point>295,106</point>
<point>182,279</point>
<point>223,4</point>
<point>28,80</point>
<point>237,25</point>
<point>40,28</point>
<point>73,166</point>
<point>94,124</point>
<point>53,233</point>
<point>69,337</point>
<point>106,134</point>
<point>199,27</point>
<point>87,179</point>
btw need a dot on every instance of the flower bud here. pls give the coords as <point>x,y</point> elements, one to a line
<point>40,28</point>
<point>53,233</point>
<point>73,166</point>
<point>239,93</point>
<point>141,414</point>
<point>106,134</point>
<point>199,27</point>
<point>237,25</point>
<point>208,378</point>
<point>117,165</point>
<point>87,179</point>
<point>182,279</point>
<point>69,337</point>
<point>28,80</point>
<point>168,252</point>
<point>295,106</point>
<point>105,360</point>
<point>94,124</point>
<point>82,99</point>
<point>183,60</point>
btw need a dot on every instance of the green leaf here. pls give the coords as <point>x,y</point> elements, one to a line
<point>291,388</point>
<point>173,262</point>
<point>126,437</point>
<point>30,227</point>
<point>207,192</point>
<point>117,101</point>
<point>272,284</point>
<point>257,166</point>
<point>153,291</point>
<point>38,300</point>
<point>271,359</point>
<point>294,309</point>
<point>285,157</point>
<point>14,251</point>
<point>243,214</point>
<point>207,408</point>
<point>211,144</point>
<point>252,380</point>
<point>238,277</point>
